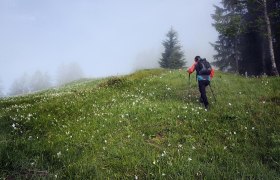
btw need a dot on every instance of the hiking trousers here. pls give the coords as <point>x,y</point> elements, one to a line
<point>202,84</point>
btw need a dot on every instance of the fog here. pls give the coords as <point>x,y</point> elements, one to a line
<point>105,37</point>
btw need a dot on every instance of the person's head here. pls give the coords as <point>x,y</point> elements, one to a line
<point>197,58</point>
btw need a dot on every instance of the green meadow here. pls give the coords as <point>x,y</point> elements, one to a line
<point>147,125</point>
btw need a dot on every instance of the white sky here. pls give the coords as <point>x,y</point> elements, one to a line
<point>105,37</point>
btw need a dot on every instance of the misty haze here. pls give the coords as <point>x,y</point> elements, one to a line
<point>104,38</point>
<point>140,89</point>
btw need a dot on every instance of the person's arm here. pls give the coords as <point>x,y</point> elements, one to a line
<point>192,68</point>
<point>212,73</point>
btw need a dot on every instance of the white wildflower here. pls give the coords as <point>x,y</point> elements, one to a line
<point>229,104</point>
<point>189,159</point>
<point>58,154</point>
<point>163,154</point>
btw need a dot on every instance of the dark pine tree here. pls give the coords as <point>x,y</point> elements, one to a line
<point>248,36</point>
<point>173,56</point>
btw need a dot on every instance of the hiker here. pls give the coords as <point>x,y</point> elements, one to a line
<point>204,73</point>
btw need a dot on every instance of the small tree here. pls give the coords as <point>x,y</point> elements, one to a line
<point>173,56</point>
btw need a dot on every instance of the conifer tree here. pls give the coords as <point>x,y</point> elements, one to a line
<point>248,36</point>
<point>173,56</point>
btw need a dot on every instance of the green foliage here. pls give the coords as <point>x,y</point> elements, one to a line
<point>172,57</point>
<point>147,125</point>
<point>242,44</point>
<point>230,26</point>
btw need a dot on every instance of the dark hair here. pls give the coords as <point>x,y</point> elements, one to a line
<point>197,58</point>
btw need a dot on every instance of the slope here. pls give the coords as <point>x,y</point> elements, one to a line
<point>145,125</point>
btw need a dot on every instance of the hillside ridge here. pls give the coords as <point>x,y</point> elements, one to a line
<point>148,124</point>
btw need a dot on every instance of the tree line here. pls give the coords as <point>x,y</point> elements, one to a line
<point>249,36</point>
<point>41,80</point>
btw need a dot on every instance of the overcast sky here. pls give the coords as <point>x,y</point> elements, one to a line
<point>105,37</point>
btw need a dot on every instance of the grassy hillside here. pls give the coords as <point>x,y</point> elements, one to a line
<point>145,125</point>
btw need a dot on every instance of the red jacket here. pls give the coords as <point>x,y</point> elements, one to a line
<point>192,69</point>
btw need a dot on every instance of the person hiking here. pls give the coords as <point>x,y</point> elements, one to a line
<point>204,74</point>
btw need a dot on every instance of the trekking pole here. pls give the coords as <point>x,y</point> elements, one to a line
<point>213,93</point>
<point>189,86</point>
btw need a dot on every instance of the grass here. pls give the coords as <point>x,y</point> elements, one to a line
<point>147,125</point>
